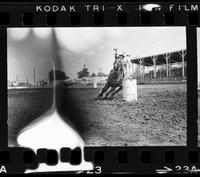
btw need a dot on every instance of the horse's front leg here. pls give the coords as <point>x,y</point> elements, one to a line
<point>110,91</point>
<point>116,91</point>
<point>105,88</point>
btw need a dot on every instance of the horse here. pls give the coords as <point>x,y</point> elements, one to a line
<point>115,79</point>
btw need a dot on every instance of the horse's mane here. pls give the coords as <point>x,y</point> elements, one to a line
<point>116,75</point>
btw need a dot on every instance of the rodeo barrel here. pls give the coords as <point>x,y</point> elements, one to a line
<point>130,89</point>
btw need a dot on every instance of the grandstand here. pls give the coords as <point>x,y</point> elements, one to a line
<point>162,67</point>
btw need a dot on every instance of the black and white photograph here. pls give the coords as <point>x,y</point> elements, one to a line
<point>101,86</point>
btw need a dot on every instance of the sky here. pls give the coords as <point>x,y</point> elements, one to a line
<point>38,48</point>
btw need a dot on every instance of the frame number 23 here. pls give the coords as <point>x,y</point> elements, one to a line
<point>96,170</point>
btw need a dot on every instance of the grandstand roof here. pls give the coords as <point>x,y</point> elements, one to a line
<point>175,57</point>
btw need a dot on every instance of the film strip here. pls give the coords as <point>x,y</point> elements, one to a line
<point>57,61</point>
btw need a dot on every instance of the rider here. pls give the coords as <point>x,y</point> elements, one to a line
<point>118,63</point>
<point>118,60</point>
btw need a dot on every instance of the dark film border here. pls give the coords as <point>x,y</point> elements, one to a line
<point>192,97</point>
<point>3,92</point>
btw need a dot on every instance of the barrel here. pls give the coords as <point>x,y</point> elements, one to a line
<point>130,89</point>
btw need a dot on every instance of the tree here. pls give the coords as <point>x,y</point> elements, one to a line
<point>93,75</point>
<point>83,73</point>
<point>59,75</point>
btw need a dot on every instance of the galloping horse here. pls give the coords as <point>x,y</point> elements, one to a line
<point>115,78</point>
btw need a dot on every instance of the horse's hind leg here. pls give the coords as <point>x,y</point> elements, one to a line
<point>116,91</point>
<point>105,88</point>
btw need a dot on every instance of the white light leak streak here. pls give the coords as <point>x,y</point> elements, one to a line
<point>51,132</point>
<point>18,33</point>
<point>149,7</point>
<point>42,32</point>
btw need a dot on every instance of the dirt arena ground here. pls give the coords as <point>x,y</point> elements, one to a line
<point>158,118</point>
